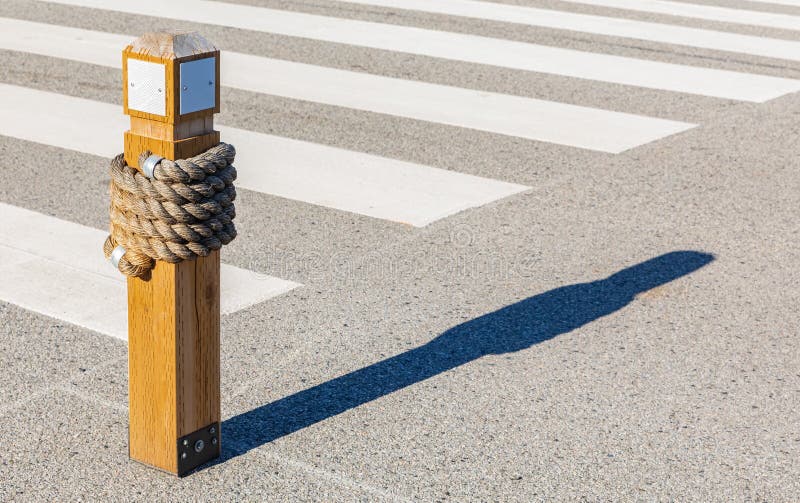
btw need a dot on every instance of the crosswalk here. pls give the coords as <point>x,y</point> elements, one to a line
<point>461,47</point>
<point>55,267</point>
<point>455,106</point>
<point>532,119</point>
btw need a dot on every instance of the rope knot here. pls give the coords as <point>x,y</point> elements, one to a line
<point>181,210</point>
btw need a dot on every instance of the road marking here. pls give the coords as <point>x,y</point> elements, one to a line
<point>706,12</point>
<point>317,174</point>
<point>792,3</point>
<point>601,25</point>
<point>302,81</point>
<point>471,108</point>
<point>57,268</point>
<point>533,119</point>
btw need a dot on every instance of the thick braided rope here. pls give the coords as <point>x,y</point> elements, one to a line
<point>186,211</point>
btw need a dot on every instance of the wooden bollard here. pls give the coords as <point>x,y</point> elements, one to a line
<point>171,92</point>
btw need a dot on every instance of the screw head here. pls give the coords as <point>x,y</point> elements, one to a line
<point>183,455</point>
<point>214,441</point>
<point>185,443</point>
<point>212,430</point>
<point>199,446</point>
<point>185,88</point>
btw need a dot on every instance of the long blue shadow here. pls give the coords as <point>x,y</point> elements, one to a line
<point>510,329</point>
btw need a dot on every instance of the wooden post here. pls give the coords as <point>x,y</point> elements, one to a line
<point>171,92</point>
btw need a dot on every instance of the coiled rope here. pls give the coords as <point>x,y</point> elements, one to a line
<point>183,212</point>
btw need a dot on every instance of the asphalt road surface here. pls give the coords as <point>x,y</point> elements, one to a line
<point>520,251</point>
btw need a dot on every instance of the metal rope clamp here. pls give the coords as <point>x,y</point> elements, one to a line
<point>149,166</point>
<point>116,256</point>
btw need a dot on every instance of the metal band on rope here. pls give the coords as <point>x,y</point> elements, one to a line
<point>149,165</point>
<point>116,256</point>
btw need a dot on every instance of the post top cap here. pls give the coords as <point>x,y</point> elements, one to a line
<point>173,44</point>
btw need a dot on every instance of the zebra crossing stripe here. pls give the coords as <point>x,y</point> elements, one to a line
<point>57,268</point>
<point>791,3</point>
<point>336,178</point>
<point>453,46</point>
<point>705,12</point>
<point>599,25</point>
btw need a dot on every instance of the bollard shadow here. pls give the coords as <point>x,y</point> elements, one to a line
<point>512,328</point>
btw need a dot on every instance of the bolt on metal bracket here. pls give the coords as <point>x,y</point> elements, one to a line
<point>198,448</point>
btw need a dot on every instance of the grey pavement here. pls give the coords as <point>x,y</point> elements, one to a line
<point>627,330</point>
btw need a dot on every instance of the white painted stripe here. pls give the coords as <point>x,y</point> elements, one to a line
<point>600,25</point>
<point>533,119</point>
<point>57,268</point>
<point>453,46</point>
<point>482,110</point>
<point>791,3</point>
<point>705,12</point>
<point>327,176</point>
<point>540,120</point>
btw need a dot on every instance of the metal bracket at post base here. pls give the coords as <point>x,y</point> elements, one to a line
<point>198,448</point>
